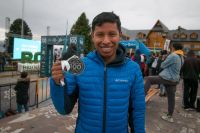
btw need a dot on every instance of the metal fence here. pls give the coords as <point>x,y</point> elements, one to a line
<point>39,91</point>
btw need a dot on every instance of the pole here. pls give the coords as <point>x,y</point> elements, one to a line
<point>36,92</point>
<point>65,40</point>
<point>48,30</point>
<point>7,25</point>
<point>22,29</point>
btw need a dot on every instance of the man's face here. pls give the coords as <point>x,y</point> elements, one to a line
<point>105,39</point>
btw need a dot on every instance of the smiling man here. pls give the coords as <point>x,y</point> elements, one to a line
<point>105,87</point>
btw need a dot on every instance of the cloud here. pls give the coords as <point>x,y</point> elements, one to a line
<point>134,14</point>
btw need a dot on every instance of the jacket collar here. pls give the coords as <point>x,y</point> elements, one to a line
<point>119,59</point>
<point>180,52</point>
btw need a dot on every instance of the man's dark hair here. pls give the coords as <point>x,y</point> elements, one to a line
<point>177,46</point>
<point>106,17</point>
<point>24,74</point>
<point>163,52</point>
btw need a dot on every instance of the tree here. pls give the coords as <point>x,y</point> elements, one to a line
<point>15,31</point>
<point>81,27</point>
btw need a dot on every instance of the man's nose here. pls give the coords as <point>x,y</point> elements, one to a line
<point>106,39</point>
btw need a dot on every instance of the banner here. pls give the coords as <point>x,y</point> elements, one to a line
<point>166,45</point>
<point>28,67</point>
<point>136,44</point>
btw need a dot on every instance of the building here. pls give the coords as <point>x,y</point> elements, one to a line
<point>156,37</point>
<point>190,39</point>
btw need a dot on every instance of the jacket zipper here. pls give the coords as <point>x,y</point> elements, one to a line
<point>105,95</point>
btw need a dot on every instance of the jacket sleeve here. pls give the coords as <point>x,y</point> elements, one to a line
<point>168,61</point>
<point>64,97</point>
<point>138,102</point>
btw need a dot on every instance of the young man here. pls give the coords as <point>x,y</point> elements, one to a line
<point>104,87</point>
<point>169,77</point>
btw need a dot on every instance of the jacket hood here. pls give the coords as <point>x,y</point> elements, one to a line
<point>180,52</point>
<point>119,59</point>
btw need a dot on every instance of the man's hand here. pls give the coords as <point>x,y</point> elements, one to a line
<point>57,73</point>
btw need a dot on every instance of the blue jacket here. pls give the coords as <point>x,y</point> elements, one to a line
<point>104,92</point>
<point>171,67</point>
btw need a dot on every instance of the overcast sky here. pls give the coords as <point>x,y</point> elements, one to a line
<point>134,14</point>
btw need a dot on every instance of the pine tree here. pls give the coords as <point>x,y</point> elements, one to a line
<point>15,31</point>
<point>81,27</point>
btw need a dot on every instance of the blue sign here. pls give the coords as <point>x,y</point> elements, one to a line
<point>136,44</point>
<point>24,45</point>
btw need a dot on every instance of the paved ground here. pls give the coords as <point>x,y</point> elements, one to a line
<point>185,121</point>
<point>46,119</point>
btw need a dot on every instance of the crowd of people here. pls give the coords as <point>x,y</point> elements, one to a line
<point>165,69</point>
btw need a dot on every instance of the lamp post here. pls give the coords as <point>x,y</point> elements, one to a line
<point>22,28</point>
<point>48,30</point>
<point>7,24</point>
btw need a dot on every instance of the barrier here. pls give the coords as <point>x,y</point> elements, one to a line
<point>39,91</point>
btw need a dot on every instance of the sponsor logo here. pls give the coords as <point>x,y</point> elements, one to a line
<point>121,80</point>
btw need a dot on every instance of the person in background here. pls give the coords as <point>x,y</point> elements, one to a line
<point>2,62</point>
<point>190,72</point>
<point>169,77</point>
<point>106,85</point>
<point>132,56</point>
<point>162,57</point>
<point>150,62</point>
<point>154,64</point>
<point>21,89</point>
<point>137,57</point>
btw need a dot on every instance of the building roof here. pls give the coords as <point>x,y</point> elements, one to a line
<point>159,26</point>
<point>133,33</point>
<point>175,35</point>
<point>170,33</point>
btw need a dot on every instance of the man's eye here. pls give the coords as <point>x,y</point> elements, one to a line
<point>99,35</point>
<point>112,34</point>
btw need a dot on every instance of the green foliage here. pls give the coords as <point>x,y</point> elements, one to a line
<point>15,31</point>
<point>81,27</point>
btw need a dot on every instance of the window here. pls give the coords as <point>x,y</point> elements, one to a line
<point>156,44</point>
<point>175,36</point>
<point>183,36</point>
<point>197,46</point>
<point>194,35</point>
<point>159,33</point>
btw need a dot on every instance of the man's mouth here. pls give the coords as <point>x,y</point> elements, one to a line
<point>105,48</point>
